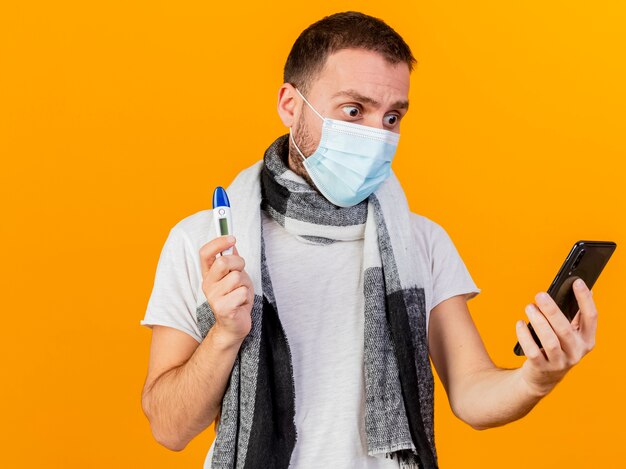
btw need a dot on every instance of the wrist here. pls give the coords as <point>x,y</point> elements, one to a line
<point>535,390</point>
<point>223,339</point>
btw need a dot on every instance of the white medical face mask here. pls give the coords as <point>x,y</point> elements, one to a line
<point>351,160</point>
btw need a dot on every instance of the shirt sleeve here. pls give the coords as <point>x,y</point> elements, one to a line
<point>449,273</point>
<point>173,299</point>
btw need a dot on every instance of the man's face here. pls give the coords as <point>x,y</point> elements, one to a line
<point>355,85</point>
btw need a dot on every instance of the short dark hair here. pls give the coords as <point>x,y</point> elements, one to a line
<point>346,30</point>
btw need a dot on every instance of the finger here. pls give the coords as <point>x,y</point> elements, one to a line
<point>558,321</point>
<point>209,251</point>
<point>528,344</point>
<point>237,297</point>
<point>234,279</point>
<point>576,321</point>
<point>544,331</point>
<point>588,311</point>
<point>223,265</point>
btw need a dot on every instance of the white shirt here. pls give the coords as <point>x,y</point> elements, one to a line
<point>323,321</point>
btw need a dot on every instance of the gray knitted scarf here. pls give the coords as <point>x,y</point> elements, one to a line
<point>256,427</point>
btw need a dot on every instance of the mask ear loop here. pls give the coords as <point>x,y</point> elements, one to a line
<point>305,100</point>
<point>291,135</point>
<point>295,145</point>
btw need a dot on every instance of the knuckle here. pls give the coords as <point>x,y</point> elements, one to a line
<point>243,294</point>
<point>204,251</point>
<point>551,346</point>
<point>245,278</point>
<point>570,361</point>
<point>567,333</point>
<point>533,354</point>
<point>220,263</point>
<point>216,306</point>
<point>208,286</point>
<point>553,311</point>
<point>235,276</point>
<point>549,343</point>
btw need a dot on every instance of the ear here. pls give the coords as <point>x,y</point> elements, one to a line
<point>288,104</point>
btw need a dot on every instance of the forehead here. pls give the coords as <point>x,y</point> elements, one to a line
<point>365,71</point>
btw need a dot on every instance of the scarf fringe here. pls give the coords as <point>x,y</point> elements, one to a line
<point>407,459</point>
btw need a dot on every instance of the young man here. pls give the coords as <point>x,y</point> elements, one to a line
<point>314,350</point>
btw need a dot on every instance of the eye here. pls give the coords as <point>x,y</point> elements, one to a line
<point>391,119</point>
<point>351,111</point>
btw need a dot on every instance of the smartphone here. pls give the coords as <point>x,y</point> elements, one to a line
<point>586,260</point>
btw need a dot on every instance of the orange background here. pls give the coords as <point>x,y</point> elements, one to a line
<point>117,120</point>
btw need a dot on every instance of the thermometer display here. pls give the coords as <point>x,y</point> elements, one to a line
<point>223,226</point>
<point>221,215</point>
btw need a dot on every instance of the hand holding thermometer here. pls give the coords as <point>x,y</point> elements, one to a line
<point>222,216</point>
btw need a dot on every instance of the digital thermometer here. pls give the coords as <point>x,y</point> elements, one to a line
<point>221,215</point>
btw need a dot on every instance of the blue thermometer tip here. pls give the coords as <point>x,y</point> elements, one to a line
<point>220,198</point>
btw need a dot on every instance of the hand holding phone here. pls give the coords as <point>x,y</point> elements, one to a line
<point>586,260</point>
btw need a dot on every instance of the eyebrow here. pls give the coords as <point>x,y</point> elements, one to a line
<point>367,100</point>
